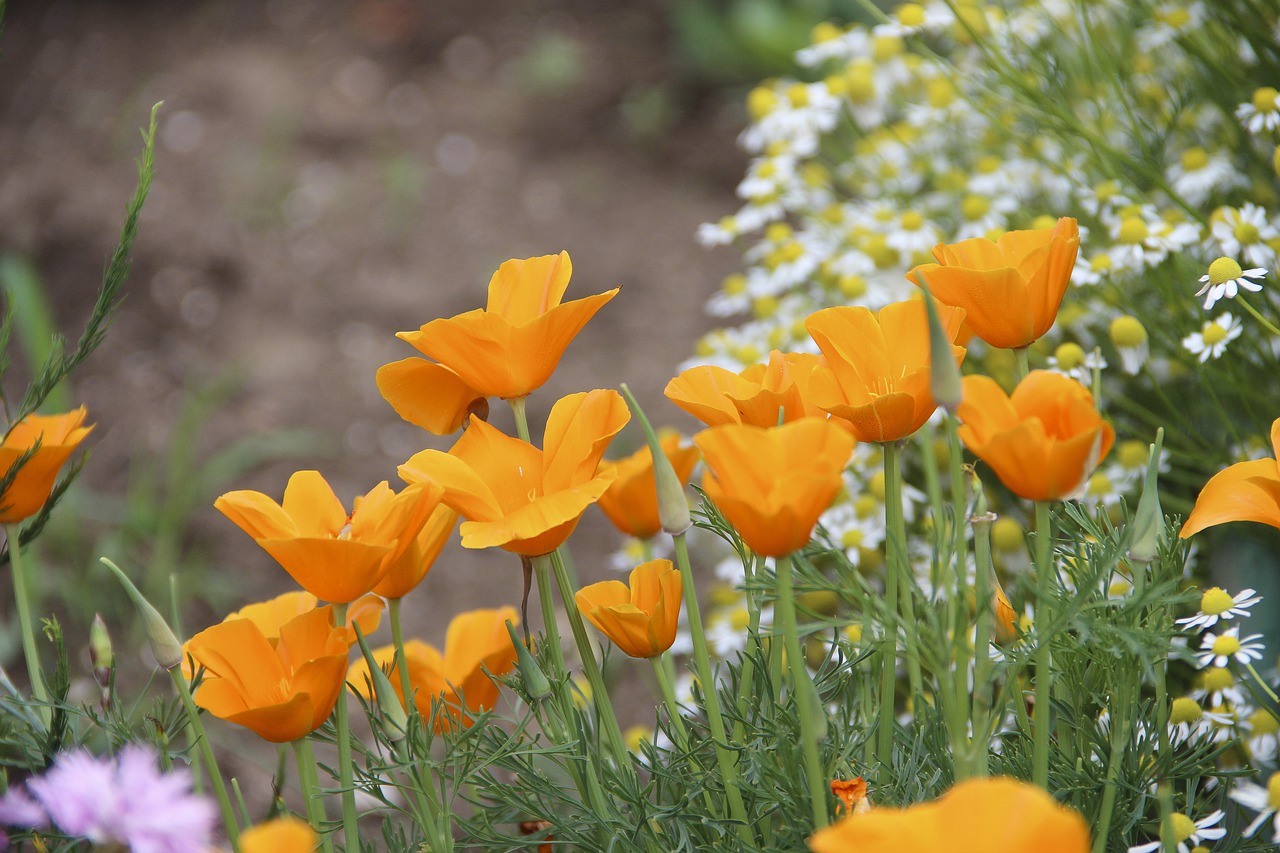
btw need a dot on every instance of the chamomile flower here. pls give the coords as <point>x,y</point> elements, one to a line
<point>1218,649</point>
<point>1130,339</point>
<point>1216,685</point>
<point>1070,359</point>
<point>1264,801</point>
<point>1263,735</point>
<point>1225,278</point>
<point>1188,721</point>
<point>1199,174</point>
<point>1185,829</point>
<point>1245,232</point>
<point>1262,112</point>
<point>1217,603</point>
<point>1212,339</point>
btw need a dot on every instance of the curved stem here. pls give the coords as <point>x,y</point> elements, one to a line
<point>1263,321</point>
<point>22,599</point>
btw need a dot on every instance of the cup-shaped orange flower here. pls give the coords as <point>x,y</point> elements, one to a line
<point>335,556</point>
<point>281,691</point>
<point>876,372</point>
<point>642,618</point>
<point>717,396</point>
<point>476,647</point>
<point>1011,287</point>
<point>631,501</point>
<point>1246,491</point>
<point>515,496</point>
<point>54,438</point>
<point>1043,441</point>
<point>507,349</point>
<point>997,815</point>
<point>773,483</point>
<point>408,570</point>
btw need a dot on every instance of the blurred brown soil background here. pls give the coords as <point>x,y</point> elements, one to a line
<point>328,174</point>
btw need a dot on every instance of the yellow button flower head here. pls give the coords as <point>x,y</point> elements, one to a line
<point>280,691</point>
<point>58,436</point>
<point>515,496</point>
<point>1246,491</point>
<point>1011,287</point>
<point>476,647</point>
<point>773,483</point>
<point>507,349</point>
<point>631,501</point>
<point>335,556</point>
<point>642,619</point>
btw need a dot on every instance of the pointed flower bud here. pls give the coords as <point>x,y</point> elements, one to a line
<point>673,506</point>
<point>1148,521</point>
<point>164,645</point>
<point>945,373</point>
<point>388,701</point>
<point>101,656</point>
<point>536,686</point>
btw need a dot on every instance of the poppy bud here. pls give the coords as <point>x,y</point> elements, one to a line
<point>673,507</point>
<point>1148,522</point>
<point>100,654</point>
<point>944,372</point>
<point>536,686</point>
<point>388,702</point>
<point>164,645</point>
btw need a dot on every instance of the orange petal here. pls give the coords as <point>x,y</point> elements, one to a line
<point>405,573</point>
<point>336,570</point>
<point>997,305</point>
<point>429,395</point>
<point>464,490</point>
<point>522,290</point>
<point>706,391</point>
<point>256,514</point>
<point>282,835</point>
<point>579,429</point>
<point>1246,491</point>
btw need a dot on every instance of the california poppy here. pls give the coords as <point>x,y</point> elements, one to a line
<point>757,395</point>
<point>631,501</point>
<point>997,815</point>
<point>876,370</point>
<point>773,483</point>
<point>1246,491</point>
<point>282,835</point>
<point>281,691</point>
<point>640,618</point>
<point>1010,288</point>
<point>1043,441</point>
<point>476,647</point>
<point>407,571</point>
<point>507,349</point>
<point>57,437</point>
<point>335,556</point>
<point>515,496</point>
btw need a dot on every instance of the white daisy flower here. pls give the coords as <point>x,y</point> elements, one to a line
<point>1217,686</point>
<point>1264,801</point>
<point>1218,649</point>
<point>1246,232</point>
<point>1185,829</point>
<point>1225,278</point>
<point>1216,603</point>
<point>1212,339</point>
<point>1189,721</point>
<point>1070,359</point>
<point>1262,112</point>
<point>1198,174</point>
<point>1263,737</point>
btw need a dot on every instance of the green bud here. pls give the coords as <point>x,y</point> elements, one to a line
<point>388,702</point>
<point>536,686</point>
<point>101,656</point>
<point>1148,522</point>
<point>673,507</point>
<point>164,645</point>
<point>945,374</point>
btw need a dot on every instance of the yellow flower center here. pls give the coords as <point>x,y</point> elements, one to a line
<point>734,284</point>
<point>1099,485</point>
<point>766,170</point>
<point>1133,230</point>
<point>778,232</point>
<point>1247,232</point>
<point>1185,710</point>
<point>1069,356</point>
<point>1263,723</point>
<point>1132,454</point>
<point>637,735</point>
<point>1100,263</point>
<point>1264,99</point>
<point>798,94</point>
<point>852,286</point>
<point>876,485</point>
<point>1226,645</point>
<point>825,31</point>
<point>1213,334</point>
<point>765,306</point>
<point>1182,826</point>
<point>940,92</point>
<point>1006,535</point>
<point>1128,331</point>
<point>1273,791</point>
<point>860,79</point>
<point>865,505</point>
<point>911,14</point>
<point>912,221</point>
<point>760,102</point>
<point>986,165</point>
<point>1224,269</point>
<point>747,353</point>
<point>853,633</point>
<point>851,538</point>
<point>975,207</point>
<point>886,47</point>
<point>1195,159</point>
<point>1175,18</point>
<point>1106,190</point>
<point>1217,678</point>
<point>1216,601</point>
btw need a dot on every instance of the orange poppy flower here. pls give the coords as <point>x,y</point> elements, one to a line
<point>997,815</point>
<point>58,437</point>
<point>1043,441</point>
<point>641,620</point>
<point>476,647</point>
<point>281,691</point>
<point>406,572</point>
<point>755,396</point>
<point>772,484</point>
<point>852,794</point>
<point>334,556</point>
<point>1010,288</point>
<point>507,349</point>
<point>631,501</point>
<point>283,835</point>
<point>518,497</point>
<point>1246,491</point>
<point>876,372</point>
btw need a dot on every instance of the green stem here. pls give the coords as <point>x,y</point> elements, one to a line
<point>960,561</point>
<point>211,764</point>
<point>522,420</point>
<point>679,731</point>
<point>1044,655</point>
<point>710,694</point>
<point>1020,363</point>
<point>309,781</point>
<point>1264,322</point>
<point>1120,736</point>
<point>805,695</point>
<point>900,563</point>
<point>1262,683</point>
<point>23,599</point>
<point>346,773</point>
<point>980,715</point>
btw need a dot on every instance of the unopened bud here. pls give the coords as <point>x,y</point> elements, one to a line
<point>1006,618</point>
<point>101,656</point>
<point>388,701</point>
<point>945,383</point>
<point>673,506</point>
<point>1148,522</point>
<point>164,645</point>
<point>536,686</point>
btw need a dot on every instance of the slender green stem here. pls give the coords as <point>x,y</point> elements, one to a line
<point>746,692</point>
<point>22,596</point>
<point>1264,322</point>
<point>679,731</point>
<point>397,638</point>
<point>1262,683</point>
<point>1120,737</point>
<point>980,715</point>
<point>805,696</point>
<point>888,670</point>
<point>900,563</point>
<point>211,764</point>
<point>309,781</point>
<point>1044,655</point>
<point>346,773</point>
<point>706,677</point>
<point>1022,367</point>
<point>522,420</point>
<point>960,561</point>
